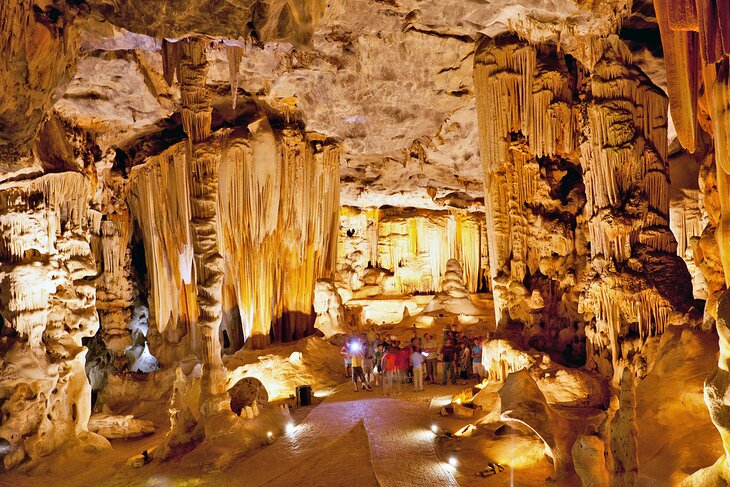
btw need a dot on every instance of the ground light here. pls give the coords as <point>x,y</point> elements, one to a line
<point>290,427</point>
<point>434,428</point>
<point>269,434</point>
<point>453,461</point>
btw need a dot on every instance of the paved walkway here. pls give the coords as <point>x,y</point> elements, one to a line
<point>402,449</point>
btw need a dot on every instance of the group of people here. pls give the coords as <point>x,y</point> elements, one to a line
<point>371,360</point>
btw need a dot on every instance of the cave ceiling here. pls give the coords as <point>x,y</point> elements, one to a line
<point>391,79</point>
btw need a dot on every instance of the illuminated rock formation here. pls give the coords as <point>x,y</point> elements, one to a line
<point>274,240</point>
<point>48,302</point>
<point>538,111</point>
<point>114,427</point>
<point>328,306</point>
<point>533,209</point>
<point>414,245</point>
<point>525,406</point>
<point>687,223</point>
<point>454,297</point>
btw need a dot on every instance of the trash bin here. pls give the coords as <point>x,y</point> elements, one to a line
<point>304,395</point>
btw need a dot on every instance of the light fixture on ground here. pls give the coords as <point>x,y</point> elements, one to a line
<point>290,427</point>
<point>453,461</point>
<point>434,428</point>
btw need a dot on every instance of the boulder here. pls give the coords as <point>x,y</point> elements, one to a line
<point>246,393</point>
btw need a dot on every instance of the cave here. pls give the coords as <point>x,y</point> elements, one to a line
<point>365,242</point>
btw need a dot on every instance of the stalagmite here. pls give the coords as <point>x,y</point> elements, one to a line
<point>328,306</point>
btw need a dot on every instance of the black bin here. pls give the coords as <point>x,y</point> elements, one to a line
<point>304,395</point>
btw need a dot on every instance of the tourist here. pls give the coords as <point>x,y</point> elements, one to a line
<point>464,359</point>
<point>476,359</point>
<point>378,363</point>
<point>345,350</point>
<point>448,357</point>
<point>417,361</point>
<point>403,363</point>
<point>378,340</point>
<point>367,364</point>
<point>430,352</point>
<point>389,367</point>
<point>356,359</point>
<point>416,337</point>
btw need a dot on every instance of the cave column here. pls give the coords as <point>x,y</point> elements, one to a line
<point>204,168</point>
<point>524,114</point>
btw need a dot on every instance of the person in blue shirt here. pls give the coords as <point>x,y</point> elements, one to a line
<point>476,359</point>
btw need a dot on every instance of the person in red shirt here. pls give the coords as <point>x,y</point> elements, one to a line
<point>404,363</point>
<point>389,362</point>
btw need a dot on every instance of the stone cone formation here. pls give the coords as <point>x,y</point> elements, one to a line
<point>191,189</point>
<point>454,298</point>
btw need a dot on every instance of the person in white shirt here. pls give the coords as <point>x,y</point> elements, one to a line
<point>417,362</point>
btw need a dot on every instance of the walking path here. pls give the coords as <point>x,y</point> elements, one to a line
<point>396,435</point>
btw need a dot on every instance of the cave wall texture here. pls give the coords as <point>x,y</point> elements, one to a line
<point>192,158</point>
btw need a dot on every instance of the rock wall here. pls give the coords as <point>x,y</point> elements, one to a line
<point>577,194</point>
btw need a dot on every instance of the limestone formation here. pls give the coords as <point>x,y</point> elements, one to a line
<point>328,306</point>
<point>454,297</point>
<point>115,427</point>
<point>192,192</point>
<point>414,246</point>
<point>604,249</point>
<point>248,394</point>
<point>49,304</point>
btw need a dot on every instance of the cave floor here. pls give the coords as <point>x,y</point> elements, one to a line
<point>359,439</point>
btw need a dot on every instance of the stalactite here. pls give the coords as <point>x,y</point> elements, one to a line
<point>192,71</point>
<point>159,201</point>
<point>619,117</point>
<point>524,111</point>
<point>277,214</point>
<point>280,214</point>
<point>414,246</point>
<point>234,54</point>
<point>687,225</point>
<point>681,57</point>
<point>170,61</point>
